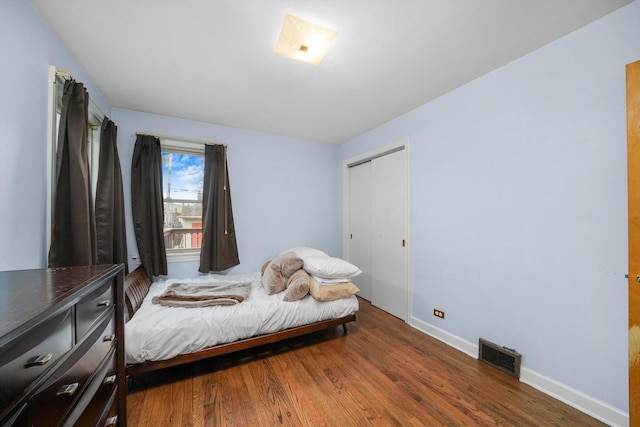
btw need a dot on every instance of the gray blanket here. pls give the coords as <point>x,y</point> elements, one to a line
<point>203,294</point>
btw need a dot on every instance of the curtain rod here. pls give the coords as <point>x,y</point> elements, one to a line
<point>176,138</point>
<point>67,74</point>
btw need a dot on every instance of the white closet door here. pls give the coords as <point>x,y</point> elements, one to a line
<point>389,283</point>
<point>360,225</point>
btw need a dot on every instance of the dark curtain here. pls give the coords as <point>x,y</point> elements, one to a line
<point>73,232</point>
<point>219,247</point>
<point>146,204</point>
<point>109,209</point>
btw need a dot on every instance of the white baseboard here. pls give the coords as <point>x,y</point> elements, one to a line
<point>574,398</point>
<point>577,399</point>
<point>454,341</point>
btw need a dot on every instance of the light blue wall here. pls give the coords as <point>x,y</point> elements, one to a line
<point>282,189</point>
<point>27,48</point>
<point>518,206</point>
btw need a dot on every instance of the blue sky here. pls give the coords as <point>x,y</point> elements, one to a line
<point>187,173</point>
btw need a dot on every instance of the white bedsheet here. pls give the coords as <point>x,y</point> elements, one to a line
<point>157,333</point>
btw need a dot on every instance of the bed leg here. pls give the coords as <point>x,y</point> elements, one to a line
<point>130,383</point>
<point>344,328</point>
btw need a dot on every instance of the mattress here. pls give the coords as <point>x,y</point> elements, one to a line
<point>158,333</point>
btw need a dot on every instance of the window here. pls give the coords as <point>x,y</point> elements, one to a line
<point>182,181</point>
<point>95,117</point>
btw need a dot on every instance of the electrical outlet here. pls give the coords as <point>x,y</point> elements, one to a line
<point>438,313</point>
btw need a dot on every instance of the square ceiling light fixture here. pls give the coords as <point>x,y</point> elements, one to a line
<point>302,40</point>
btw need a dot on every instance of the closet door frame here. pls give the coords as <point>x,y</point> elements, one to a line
<point>361,225</point>
<point>633,188</point>
<point>346,198</point>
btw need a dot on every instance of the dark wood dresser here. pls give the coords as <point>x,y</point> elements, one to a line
<point>62,347</point>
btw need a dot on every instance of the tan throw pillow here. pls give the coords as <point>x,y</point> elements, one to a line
<point>288,263</point>
<point>331,292</point>
<point>265,265</point>
<point>277,273</point>
<point>297,286</point>
<point>273,280</point>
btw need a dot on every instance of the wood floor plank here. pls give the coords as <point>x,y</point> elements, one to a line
<point>382,372</point>
<point>308,407</point>
<point>376,394</point>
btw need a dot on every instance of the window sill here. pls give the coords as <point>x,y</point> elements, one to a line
<point>176,257</point>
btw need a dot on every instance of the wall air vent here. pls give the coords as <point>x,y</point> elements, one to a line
<point>505,359</point>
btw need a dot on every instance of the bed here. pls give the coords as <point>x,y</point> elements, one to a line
<point>158,337</point>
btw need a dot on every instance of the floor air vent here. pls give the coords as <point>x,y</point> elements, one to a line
<point>502,358</point>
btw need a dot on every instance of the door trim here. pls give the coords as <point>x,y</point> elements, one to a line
<point>633,198</point>
<point>346,197</point>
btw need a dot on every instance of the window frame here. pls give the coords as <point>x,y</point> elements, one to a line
<point>168,145</point>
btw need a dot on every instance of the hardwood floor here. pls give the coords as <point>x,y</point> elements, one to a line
<point>382,372</point>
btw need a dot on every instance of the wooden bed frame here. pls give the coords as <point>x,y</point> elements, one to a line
<point>136,286</point>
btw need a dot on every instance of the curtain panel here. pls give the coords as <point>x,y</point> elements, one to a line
<point>73,239</point>
<point>219,247</point>
<point>109,207</point>
<point>147,204</point>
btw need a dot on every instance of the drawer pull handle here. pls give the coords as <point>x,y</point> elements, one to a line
<point>104,303</point>
<point>67,390</point>
<point>40,360</point>
<point>111,421</point>
<point>109,380</point>
<point>109,338</point>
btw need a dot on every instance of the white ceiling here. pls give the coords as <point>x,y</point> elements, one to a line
<point>213,60</point>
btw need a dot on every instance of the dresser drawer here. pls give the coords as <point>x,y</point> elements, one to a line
<point>17,419</point>
<point>91,307</point>
<point>112,418</point>
<point>50,405</point>
<point>33,354</point>
<point>103,390</point>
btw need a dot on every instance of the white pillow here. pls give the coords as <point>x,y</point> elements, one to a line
<point>325,281</point>
<point>330,267</point>
<point>305,251</point>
